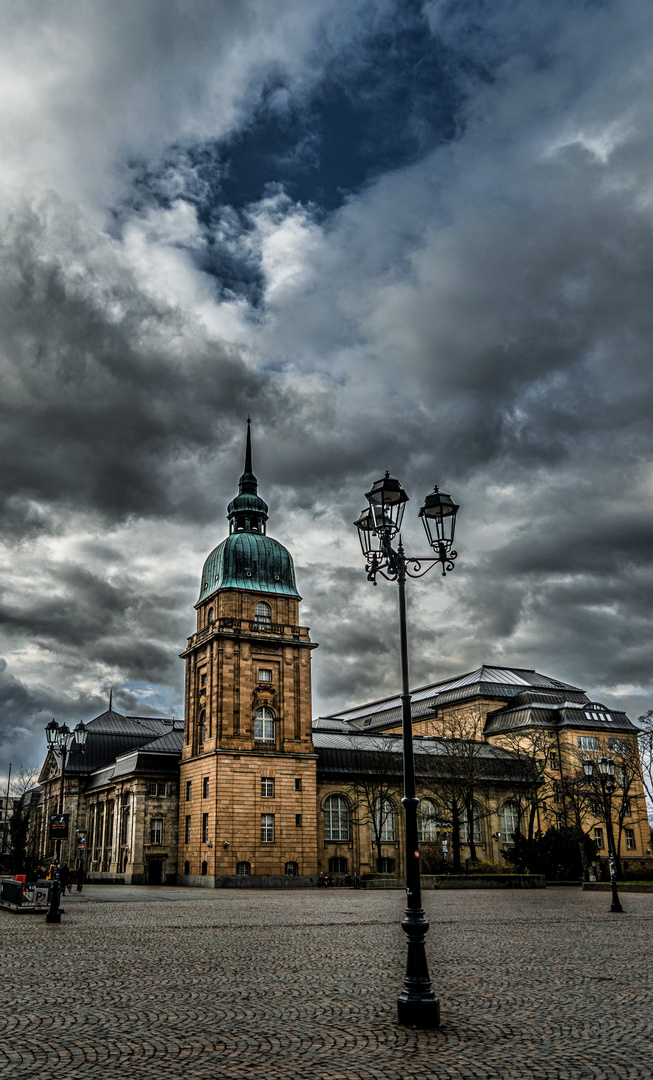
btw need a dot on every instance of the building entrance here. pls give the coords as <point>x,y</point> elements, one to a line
<point>154,871</point>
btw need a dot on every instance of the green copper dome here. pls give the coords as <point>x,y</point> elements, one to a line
<point>248,559</point>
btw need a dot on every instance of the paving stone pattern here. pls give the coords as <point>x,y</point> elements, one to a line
<point>303,984</point>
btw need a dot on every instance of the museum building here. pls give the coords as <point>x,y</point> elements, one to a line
<point>250,790</point>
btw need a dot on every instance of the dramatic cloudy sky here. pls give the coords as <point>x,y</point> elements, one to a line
<point>413,235</point>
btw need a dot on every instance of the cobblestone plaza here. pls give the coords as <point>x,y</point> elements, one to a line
<point>230,983</point>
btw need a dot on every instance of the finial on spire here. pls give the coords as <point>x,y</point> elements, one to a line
<point>110,699</point>
<point>248,451</point>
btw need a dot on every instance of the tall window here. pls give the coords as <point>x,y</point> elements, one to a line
<point>243,869</point>
<point>588,742</point>
<point>187,832</point>
<point>384,819</point>
<point>205,828</point>
<point>202,726</point>
<point>630,839</point>
<point>205,787</point>
<point>427,830</point>
<point>267,828</point>
<point>336,818</point>
<point>189,790</point>
<point>156,831</point>
<point>264,725</point>
<point>509,822</point>
<point>162,789</point>
<point>211,615</point>
<point>598,837</point>
<point>618,746</point>
<point>267,787</point>
<point>464,829</point>
<point>553,759</point>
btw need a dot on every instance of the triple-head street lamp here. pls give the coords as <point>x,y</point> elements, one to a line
<point>60,740</point>
<point>608,784</point>
<point>378,526</point>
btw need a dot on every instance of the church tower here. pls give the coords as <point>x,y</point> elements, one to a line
<point>247,800</point>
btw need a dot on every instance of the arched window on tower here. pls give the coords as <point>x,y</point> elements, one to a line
<point>211,616</point>
<point>263,614</point>
<point>202,726</point>
<point>264,725</point>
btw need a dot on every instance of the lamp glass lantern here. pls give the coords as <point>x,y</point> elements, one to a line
<point>588,766</point>
<point>80,733</point>
<point>387,501</point>
<point>606,766</point>
<point>438,514</point>
<point>369,540</point>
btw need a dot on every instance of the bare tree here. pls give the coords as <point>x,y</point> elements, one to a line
<point>646,757</point>
<point>376,769</point>
<point>533,784</point>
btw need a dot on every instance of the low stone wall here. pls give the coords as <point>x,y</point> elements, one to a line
<point>622,886</point>
<point>254,881</point>
<point>461,881</point>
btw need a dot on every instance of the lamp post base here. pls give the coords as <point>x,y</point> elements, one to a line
<point>53,916</point>
<point>421,1012</point>
<point>615,906</point>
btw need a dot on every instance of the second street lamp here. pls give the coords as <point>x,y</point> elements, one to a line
<point>378,526</point>
<point>60,740</point>
<point>607,785</point>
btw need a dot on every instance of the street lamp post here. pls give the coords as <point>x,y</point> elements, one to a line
<point>608,784</point>
<point>60,740</point>
<point>378,525</point>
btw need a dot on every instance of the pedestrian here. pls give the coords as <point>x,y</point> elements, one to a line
<point>64,878</point>
<point>79,876</point>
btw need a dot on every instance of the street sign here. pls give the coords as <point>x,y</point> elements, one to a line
<point>59,826</point>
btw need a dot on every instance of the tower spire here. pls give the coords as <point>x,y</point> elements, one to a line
<point>248,450</point>
<point>247,512</point>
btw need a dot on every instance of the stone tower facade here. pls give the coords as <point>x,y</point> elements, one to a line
<point>247,800</point>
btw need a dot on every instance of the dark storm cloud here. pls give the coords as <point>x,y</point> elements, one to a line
<point>404,236</point>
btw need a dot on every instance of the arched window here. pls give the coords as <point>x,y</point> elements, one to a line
<point>338,865</point>
<point>202,726</point>
<point>243,869</point>
<point>336,818</point>
<point>385,866</point>
<point>263,614</point>
<point>205,867</point>
<point>464,832</point>
<point>427,831</point>
<point>187,867</point>
<point>292,869</point>
<point>509,822</point>
<point>211,615</point>
<point>264,725</point>
<point>384,819</point>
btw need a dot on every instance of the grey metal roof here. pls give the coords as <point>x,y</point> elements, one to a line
<point>485,681</point>
<point>557,714</point>
<point>111,722</point>
<point>345,754</point>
